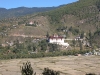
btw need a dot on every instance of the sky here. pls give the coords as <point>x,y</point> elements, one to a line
<point>8,4</point>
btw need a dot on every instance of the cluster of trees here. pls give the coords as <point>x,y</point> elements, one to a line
<point>40,46</point>
<point>41,54</point>
<point>27,49</point>
<point>94,38</point>
<point>74,31</point>
<point>66,30</point>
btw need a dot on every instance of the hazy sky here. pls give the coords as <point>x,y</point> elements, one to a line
<point>32,3</point>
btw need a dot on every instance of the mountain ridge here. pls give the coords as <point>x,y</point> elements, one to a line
<point>22,11</point>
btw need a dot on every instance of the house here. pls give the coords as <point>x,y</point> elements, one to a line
<point>4,45</point>
<point>31,23</point>
<point>55,39</point>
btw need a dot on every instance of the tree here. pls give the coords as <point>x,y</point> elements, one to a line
<point>82,35</point>
<point>91,74</point>
<point>26,69</point>
<point>16,43</point>
<point>43,45</point>
<point>74,43</point>
<point>47,35</point>
<point>34,47</point>
<point>29,47</point>
<point>98,4</point>
<point>80,45</point>
<point>53,47</point>
<point>48,71</point>
<point>90,38</point>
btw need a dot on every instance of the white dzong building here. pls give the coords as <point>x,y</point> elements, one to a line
<point>55,39</point>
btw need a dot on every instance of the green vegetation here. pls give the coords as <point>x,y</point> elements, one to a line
<point>95,38</point>
<point>81,9</point>
<point>41,54</point>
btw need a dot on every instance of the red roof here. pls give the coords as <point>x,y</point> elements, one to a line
<point>53,37</point>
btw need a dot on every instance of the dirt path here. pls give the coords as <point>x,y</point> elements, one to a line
<point>67,65</point>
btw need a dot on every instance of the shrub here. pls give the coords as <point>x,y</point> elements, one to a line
<point>26,69</point>
<point>90,74</point>
<point>48,71</point>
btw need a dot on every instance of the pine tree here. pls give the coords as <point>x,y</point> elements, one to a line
<point>26,69</point>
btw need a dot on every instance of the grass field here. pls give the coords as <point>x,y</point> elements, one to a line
<point>67,65</point>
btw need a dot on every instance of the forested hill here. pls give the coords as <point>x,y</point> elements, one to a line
<point>22,11</point>
<point>78,17</point>
<point>82,9</point>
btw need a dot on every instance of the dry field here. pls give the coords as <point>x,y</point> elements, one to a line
<point>67,65</point>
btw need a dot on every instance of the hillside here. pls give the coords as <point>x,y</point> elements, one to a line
<point>71,20</point>
<point>22,11</point>
<point>78,18</point>
<point>79,14</point>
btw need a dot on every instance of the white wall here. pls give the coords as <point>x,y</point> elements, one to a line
<point>56,40</point>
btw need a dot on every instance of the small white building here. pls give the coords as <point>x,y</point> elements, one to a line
<point>31,23</point>
<point>55,39</point>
